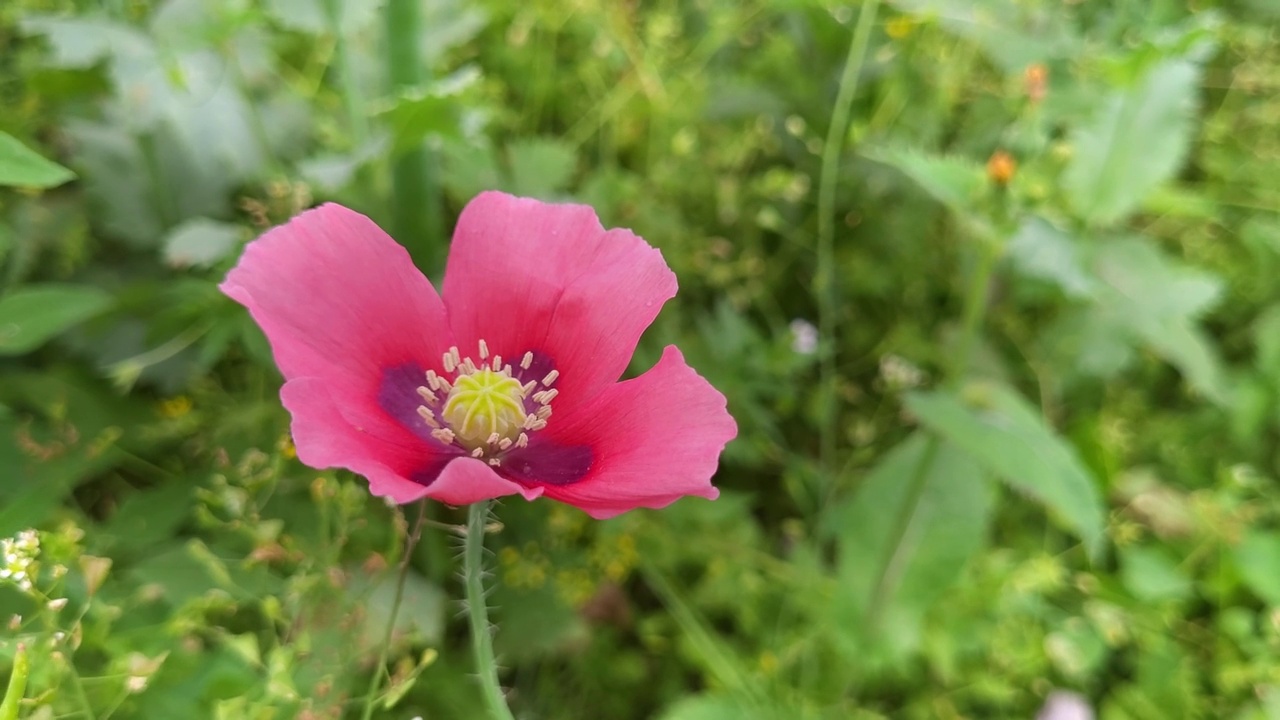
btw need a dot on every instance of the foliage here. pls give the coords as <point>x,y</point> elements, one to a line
<point>1054,356</point>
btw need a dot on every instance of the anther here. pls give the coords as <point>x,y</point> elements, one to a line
<point>522,440</point>
<point>433,380</point>
<point>550,378</point>
<point>484,349</point>
<point>449,363</point>
<point>527,360</point>
<point>444,435</point>
<point>544,412</point>
<point>477,453</point>
<point>529,420</point>
<point>495,462</point>
<point>427,395</point>
<point>527,388</point>
<point>497,363</point>
<point>504,443</point>
<point>493,439</point>
<point>428,416</point>
<point>469,365</point>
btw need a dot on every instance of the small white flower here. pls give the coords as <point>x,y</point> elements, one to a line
<point>1062,705</point>
<point>804,337</point>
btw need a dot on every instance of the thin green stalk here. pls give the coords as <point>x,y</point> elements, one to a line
<point>349,87</point>
<point>478,613</point>
<point>415,198</point>
<point>17,685</point>
<point>375,683</point>
<point>828,292</point>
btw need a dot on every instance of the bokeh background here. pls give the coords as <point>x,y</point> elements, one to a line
<point>990,287</point>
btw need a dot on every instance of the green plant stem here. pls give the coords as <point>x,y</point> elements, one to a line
<point>375,683</point>
<point>825,281</point>
<point>478,613</point>
<point>415,199</point>
<point>17,685</point>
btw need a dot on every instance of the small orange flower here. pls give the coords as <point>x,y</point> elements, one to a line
<point>1036,81</point>
<point>1001,167</point>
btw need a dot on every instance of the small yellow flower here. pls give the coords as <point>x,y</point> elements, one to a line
<point>175,407</point>
<point>899,27</point>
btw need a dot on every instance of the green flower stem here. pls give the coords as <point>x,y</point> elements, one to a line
<point>478,612</point>
<point>375,683</point>
<point>17,685</point>
<point>827,290</point>
<point>415,198</point>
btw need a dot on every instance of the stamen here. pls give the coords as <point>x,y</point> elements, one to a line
<point>444,435</point>
<point>538,425</point>
<point>527,388</point>
<point>457,356</point>
<point>493,438</point>
<point>433,380</point>
<point>495,462</point>
<point>449,363</point>
<point>477,453</point>
<point>550,378</point>
<point>529,420</point>
<point>504,443</point>
<point>428,416</point>
<point>522,441</point>
<point>549,395</point>
<point>497,363</point>
<point>469,365</point>
<point>427,395</point>
<point>527,360</point>
<point>484,349</point>
<point>544,412</point>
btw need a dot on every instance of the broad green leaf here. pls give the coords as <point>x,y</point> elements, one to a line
<point>34,314</point>
<point>952,181</point>
<point>1042,251</point>
<point>906,534</point>
<point>1151,575</point>
<point>1158,299</point>
<point>21,166</point>
<point>1007,436</point>
<point>200,242</point>
<point>1257,558</point>
<point>540,167</point>
<point>433,111</point>
<point>1138,140</point>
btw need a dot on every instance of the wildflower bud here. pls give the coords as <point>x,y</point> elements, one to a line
<point>1001,167</point>
<point>15,622</point>
<point>1035,79</point>
<point>57,604</point>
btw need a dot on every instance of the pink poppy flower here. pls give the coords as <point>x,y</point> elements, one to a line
<point>505,383</point>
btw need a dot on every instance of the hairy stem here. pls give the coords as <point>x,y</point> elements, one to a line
<point>478,613</point>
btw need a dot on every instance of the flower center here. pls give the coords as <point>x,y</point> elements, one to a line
<point>486,409</point>
<point>483,404</point>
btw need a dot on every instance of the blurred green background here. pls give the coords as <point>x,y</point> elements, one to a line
<point>989,286</point>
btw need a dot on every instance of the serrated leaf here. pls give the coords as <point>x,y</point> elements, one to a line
<point>34,314</point>
<point>1138,140</point>
<point>906,534</point>
<point>21,166</point>
<point>1040,250</point>
<point>1005,434</point>
<point>953,181</point>
<point>1157,298</point>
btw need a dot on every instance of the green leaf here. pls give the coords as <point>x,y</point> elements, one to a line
<point>710,707</point>
<point>1151,575</point>
<point>21,166</point>
<point>433,111</point>
<point>540,167</point>
<point>1257,558</point>
<point>906,534</point>
<point>1137,141</point>
<point>200,242</point>
<point>1042,251</point>
<point>1007,436</point>
<point>36,313</point>
<point>953,181</point>
<point>1011,33</point>
<point>1158,299</point>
